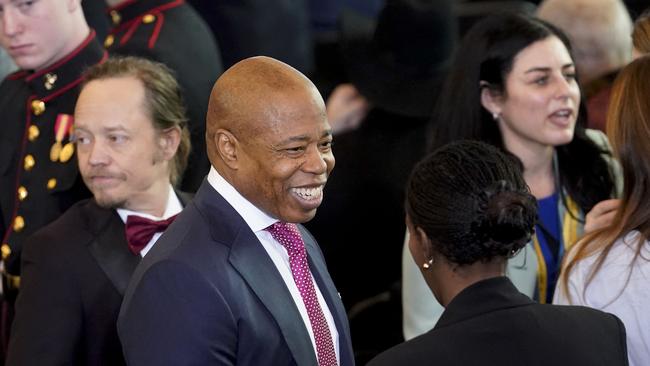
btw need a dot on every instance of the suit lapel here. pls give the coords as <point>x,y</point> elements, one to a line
<point>109,247</point>
<point>250,259</point>
<point>252,262</point>
<point>331,295</point>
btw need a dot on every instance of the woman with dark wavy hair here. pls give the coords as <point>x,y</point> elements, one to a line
<point>513,85</point>
<point>468,210</point>
<point>609,269</point>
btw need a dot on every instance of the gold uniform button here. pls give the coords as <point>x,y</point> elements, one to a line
<point>51,183</point>
<point>38,107</point>
<point>110,39</point>
<point>33,133</point>
<point>22,193</point>
<point>149,18</point>
<point>116,18</point>
<point>19,224</point>
<point>29,162</point>
<point>6,251</point>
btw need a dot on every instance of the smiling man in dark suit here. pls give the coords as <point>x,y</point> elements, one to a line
<point>132,144</point>
<point>236,280</point>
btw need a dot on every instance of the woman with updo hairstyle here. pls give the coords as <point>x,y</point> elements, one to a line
<point>513,84</point>
<point>609,269</point>
<point>468,209</point>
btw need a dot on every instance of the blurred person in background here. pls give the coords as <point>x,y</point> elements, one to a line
<point>599,31</point>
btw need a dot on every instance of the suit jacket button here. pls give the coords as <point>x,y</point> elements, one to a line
<point>6,251</point>
<point>38,107</point>
<point>51,184</point>
<point>109,40</point>
<point>22,193</point>
<point>149,18</point>
<point>33,132</point>
<point>19,223</point>
<point>29,162</point>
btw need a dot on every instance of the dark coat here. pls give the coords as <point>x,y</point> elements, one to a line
<point>209,294</point>
<point>35,190</point>
<point>171,32</point>
<point>491,323</point>
<point>75,273</point>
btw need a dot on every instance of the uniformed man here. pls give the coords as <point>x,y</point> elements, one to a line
<point>51,43</point>
<point>171,32</point>
<point>132,144</point>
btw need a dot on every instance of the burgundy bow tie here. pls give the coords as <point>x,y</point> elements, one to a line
<point>140,230</point>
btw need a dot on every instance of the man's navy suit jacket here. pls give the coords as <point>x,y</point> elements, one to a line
<point>209,294</point>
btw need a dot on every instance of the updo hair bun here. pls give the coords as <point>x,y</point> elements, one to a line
<point>505,219</point>
<point>472,202</point>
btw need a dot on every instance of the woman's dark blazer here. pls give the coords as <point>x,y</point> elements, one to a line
<point>491,323</point>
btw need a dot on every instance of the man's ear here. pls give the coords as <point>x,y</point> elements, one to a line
<point>491,99</point>
<point>170,139</point>
<point>227,147</point>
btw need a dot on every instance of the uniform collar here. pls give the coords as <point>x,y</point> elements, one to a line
<point>480,298</point>
<point>66,73</point>
<point>131,10</point>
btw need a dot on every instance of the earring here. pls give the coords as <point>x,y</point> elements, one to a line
<point>495,116</point>
<point>428,264</point>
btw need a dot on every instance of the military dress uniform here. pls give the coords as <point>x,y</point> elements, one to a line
<point>38,168</point>
<point>172,32</point>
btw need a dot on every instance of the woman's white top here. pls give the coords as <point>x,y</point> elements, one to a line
<point>620,287</point>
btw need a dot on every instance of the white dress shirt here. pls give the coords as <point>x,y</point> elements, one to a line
<point>172,208</point>
<point>620,288</point>
<point>257,220</point>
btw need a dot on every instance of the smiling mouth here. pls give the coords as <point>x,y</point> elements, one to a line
<point>309,194</point>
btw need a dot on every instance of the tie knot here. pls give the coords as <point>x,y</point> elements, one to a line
<point>288,235</point>
<point>140,230</point>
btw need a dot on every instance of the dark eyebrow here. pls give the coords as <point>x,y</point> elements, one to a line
<point>547,69</point>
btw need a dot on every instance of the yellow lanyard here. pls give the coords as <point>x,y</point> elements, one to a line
<point>569,237</point>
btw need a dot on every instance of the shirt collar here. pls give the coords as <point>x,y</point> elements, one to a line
<point>255,218</point>
<point>172,207</point>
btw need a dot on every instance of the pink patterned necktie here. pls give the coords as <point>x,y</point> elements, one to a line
<point>289,236</point>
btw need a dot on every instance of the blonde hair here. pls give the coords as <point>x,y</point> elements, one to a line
<point>162,97</point>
